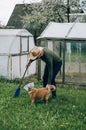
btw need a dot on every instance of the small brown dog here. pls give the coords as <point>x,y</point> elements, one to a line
<point>40,93</point>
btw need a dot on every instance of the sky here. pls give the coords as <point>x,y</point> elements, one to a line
<point>7,6</point>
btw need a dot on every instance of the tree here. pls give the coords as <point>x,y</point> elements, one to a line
<point>83,5</point>
<point>42,14</point>
<point>46,11</point>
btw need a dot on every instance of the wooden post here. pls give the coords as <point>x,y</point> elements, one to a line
<point>28,44</point>
<point>64,47</point>
<point>53,45</point>
<point>10,66</point>
<point>20,65</point>
<point>20,55</point>
<point>20,44</point>
<point>27,62</point>
<point>28,49</point>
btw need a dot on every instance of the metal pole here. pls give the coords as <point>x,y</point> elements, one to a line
<point>68,11</point>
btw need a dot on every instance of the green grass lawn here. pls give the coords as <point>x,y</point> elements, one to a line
<point>68,112</point>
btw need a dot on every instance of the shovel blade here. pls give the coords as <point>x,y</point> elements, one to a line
<point>17,92</point>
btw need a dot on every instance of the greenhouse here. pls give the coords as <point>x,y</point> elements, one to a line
<point>69,41</point>
<point>14,48</point>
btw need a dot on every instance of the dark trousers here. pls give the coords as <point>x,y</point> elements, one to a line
<point>56,69</point>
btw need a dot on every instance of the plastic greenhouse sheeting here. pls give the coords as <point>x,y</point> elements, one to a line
<point>73,31</point>
<point>14,48</point>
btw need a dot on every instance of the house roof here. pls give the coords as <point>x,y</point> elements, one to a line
<point>72,31</point>
<point>15,19</point>
<point>19,11</point>
<point>14,32</point>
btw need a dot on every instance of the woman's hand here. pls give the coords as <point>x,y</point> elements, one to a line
<point>48,87</point>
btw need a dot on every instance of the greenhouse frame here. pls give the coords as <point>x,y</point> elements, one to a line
<point>69,41</point>
<point>14,48</point>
